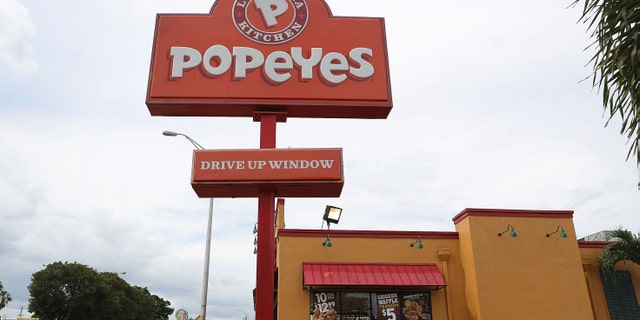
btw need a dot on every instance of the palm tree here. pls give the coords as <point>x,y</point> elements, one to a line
<point>615,26</point>
<point>625,246</point>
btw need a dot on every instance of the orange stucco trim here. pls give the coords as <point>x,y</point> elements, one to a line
<point>592,244</point>
<point>368,234</point>
<point>512,213</point>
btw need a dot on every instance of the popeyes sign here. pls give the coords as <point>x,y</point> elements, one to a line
<point>290,56</point>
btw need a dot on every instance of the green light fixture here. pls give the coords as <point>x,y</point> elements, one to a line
<point>417,243</point>
<point>327,243</point>
<point>513,233</point>
<point>558,228</point>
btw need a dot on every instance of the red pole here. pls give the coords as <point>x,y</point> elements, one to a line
<point>265,266</point>
<point>266,256</point>
<point>268,122</point>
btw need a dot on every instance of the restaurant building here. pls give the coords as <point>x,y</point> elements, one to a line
<point>497,264</point>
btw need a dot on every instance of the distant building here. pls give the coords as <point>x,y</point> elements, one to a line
<point>598,236</point>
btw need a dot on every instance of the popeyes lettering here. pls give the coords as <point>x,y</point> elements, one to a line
<point>277,66</point>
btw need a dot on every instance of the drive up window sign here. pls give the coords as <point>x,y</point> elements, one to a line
<point>242,173</point>
<point>290,56</point>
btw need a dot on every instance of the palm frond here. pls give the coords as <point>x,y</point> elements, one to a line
<point>624,246</point>
<point>615,28</point>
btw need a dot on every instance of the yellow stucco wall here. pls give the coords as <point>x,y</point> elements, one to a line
<point>467,259</point>
<point>594,284</point>
<point>530,276</point>
<point>294,248</point>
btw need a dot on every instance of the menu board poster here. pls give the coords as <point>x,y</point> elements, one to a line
<point>324,306</point>
<point>416,306</point>
<point>388,306</point>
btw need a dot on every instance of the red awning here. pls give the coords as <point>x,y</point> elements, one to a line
<point>407,276</point>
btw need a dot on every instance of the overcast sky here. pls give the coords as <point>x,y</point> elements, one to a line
<point>489,112</point>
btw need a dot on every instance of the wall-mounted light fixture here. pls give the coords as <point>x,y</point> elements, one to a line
<point>327,243</point>
<point>558,228</point>
<point>417,243</point>
<point>332,215</point>
<point>513,233</point>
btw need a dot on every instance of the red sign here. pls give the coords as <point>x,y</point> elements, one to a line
<point>289,56</point>
<point>292,172</point>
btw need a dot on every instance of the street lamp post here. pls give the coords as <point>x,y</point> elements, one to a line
<point>207,250</point>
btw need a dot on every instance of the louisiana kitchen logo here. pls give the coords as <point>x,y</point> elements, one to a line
<point>288,56</point>
<point>270,21</point>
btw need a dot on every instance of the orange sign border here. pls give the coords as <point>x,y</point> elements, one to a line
<point>352,103</point>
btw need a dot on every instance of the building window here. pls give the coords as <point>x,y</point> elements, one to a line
<point>346,305</point>
<point>621,296</point>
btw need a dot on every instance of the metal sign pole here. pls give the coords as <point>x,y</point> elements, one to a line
<point>266,229</point>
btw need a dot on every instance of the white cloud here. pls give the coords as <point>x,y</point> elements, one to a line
<point>17,32</point>
<point>488,113</point>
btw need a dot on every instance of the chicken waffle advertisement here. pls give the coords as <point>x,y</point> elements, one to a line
<point>392,306</point>
<point>415,307</point>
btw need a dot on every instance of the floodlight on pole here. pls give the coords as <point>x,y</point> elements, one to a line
<point>331,215</point>
<point>207,250</point>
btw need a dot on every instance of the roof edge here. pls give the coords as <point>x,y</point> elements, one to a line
<point>592,244</point>
<point>517,213</point>
<point>368,234</point>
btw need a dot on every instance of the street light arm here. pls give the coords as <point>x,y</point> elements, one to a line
<point>173,134</point>
<point>193,142</point>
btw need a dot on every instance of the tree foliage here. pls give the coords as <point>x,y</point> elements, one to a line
<point>73,291</point>
<point>5,297</point>
<point>625,246</point>
<point>615,26</point>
